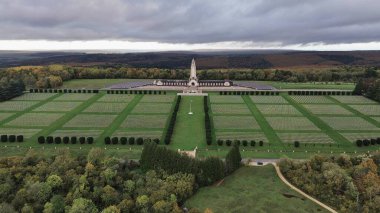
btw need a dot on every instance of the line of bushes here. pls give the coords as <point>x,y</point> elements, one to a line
<point>129,140</point>
<point>367,142</point>
<point>249,93</point>
<point>172,121</point>
<point>65,140</point>
<point>229,142</point>
<point>207,121</point>
<point>141,92</point>
<point>63,91</point>
<point>301,92</point>
<point>12,138</point>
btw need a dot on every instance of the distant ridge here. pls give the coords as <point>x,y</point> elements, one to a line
<point>206,59</point>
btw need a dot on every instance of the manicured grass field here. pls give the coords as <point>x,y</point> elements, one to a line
<point>58,106</point>
<point>367,109</point>
<point>35,119</point>
<point>106,107</point>
<point>282,109</point>
<point>349,123</point>
<point>268,100</point>
<point>310,85</point>
<point>230,109</point>
<point>291,123</point>
<point>145,121</point>
<point>278,121</point>
<point>235,122</point>
<point>16,105</point>
<point>311,99</point>
<point>327,109</point>
<point>252,189</point>
<point>90,120</point>
<point>353,100</point>
<point>163,108</point>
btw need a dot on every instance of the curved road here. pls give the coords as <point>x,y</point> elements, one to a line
<point>300,191</point>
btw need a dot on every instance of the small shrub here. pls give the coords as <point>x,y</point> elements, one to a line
<point>41,139</point>
<point>115,140</point>
<point>66,140</point>
<point>131,141</point>
<point>366,142</point>
<point>253,143</point>
<point>123,140</point>
<point>228,142</point>
<point>4,138</point>
<point>296,144</point>
<point>49,139</point>
<point>359,143</point>
<point>57,140</point>
<point>140,141</point>
<point>90,140</point>
<point>107,140</point>
<point>237,142</point>
<point>220,142</point>
<point>73,140</point>
<point>156,140</point>
<point>261,143</point>
<point>245,143</point>
<point>373,141</point>
<point>82,140</point>
<point>20,138</point>
<point>12,138</point>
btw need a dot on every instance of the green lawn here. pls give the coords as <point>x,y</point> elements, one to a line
<point>189,130</point>
<point>252,189</point>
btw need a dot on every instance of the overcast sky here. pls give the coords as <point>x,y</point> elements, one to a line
<point>189,24</point>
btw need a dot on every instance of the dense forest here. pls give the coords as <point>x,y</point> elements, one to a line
<point>102,183</point>
<point>348,184</point>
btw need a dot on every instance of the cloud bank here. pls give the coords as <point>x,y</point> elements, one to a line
<point>279,22</point>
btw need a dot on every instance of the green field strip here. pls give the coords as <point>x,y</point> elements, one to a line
<point>356,112</point>
<point>67,117</point>
<point>30,109</point>
<point>239,130</point>
<point>263,123</point>
<point>189,130</point>
<point>148,113</point>
<point>119,119</point>
<point>318,122</point>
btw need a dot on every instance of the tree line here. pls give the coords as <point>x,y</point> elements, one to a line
<point>206,171</point>
<point>173,119</point>
<point>369,87</point>
<point>347,183</point>
<point>52,76</point>
<point>10,88</point>
<point>207,121</point>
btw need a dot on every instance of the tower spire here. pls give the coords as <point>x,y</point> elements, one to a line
<point>193,70</point>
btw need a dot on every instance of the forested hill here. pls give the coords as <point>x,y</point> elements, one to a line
<point>205,60</point>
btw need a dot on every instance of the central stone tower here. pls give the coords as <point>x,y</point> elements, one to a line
<point>193,80</point>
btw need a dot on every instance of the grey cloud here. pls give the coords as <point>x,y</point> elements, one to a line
<point>193,21</point>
